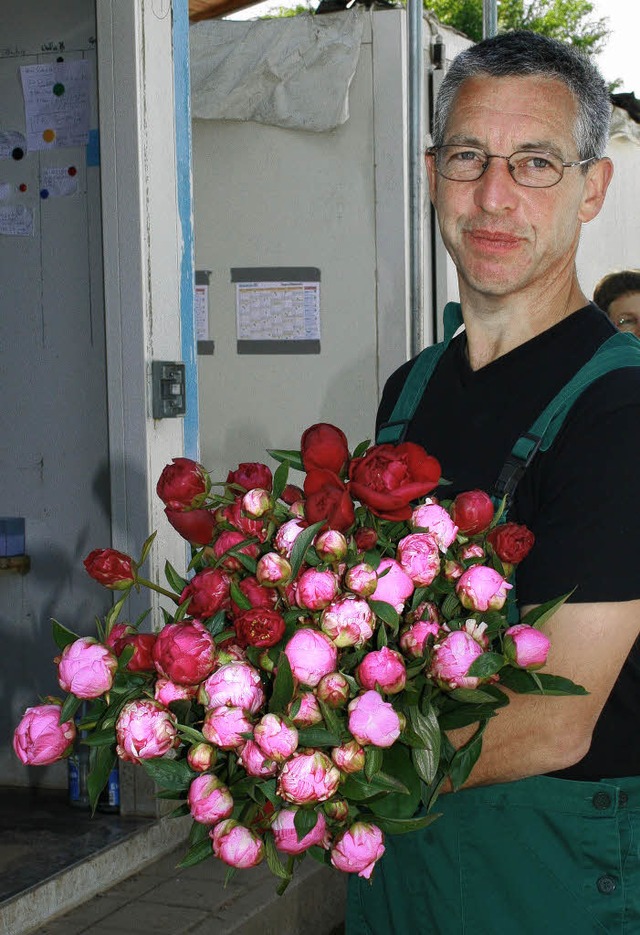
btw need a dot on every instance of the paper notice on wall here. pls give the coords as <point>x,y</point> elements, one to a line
<point>201,312</point>
<point>12,144</point>
<point>278,311</point>
<point>5,190</point>
<point>57,182</point>
<point>57,103</point>
<point>16,221</point>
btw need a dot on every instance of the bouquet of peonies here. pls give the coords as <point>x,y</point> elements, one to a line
<point>297,697</point>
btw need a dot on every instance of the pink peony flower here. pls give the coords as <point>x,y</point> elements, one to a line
<point>413,639</point>
<point>307,710</point>
<point>435,519</point>
<point>209,592</point>
<point>362,579</point>
<point>331,546</point>
<point>229,652</point>
<point>526,647</point>
<point>482,588</point>
<point>358,849</point>
<point>471,551</point>
<point>236,845</point>
<point>311,655</point>
<point>336,809</point>
<point>394,584</point>
<point>286,836</point>
<point>349,621</point>
<point>237,684</point>
<point>209,800</point>
<point>145,729</point>
<point>374,721</point>
<point>307,778</point>
<point>419,556</point>
<point>273,570</point>
<point>383,668</point>
<point>257,502</point>
<point>452,659</point>
<point>184,652</point>
<point>452,570</point>
<point>166,691</point>
<point>333,689</point>
<point>349,757</point>
<point>40,738</point>
<point>224,726</point>
<point>255,762</point>
<point>86,668</point>
<point>316,589</point>
<point>286,536</point>
<point>201,757</point>
<point>234,515</point>
<point>276,738</point>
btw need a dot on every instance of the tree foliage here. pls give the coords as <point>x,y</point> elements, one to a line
<point>567,20</point>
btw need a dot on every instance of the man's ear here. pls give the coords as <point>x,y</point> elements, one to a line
<point>595,189</point>
<point>432,176</point>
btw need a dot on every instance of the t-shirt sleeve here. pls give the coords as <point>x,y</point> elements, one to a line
<point>585,500</point>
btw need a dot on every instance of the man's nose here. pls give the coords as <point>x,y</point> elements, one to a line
<point>496,189</point>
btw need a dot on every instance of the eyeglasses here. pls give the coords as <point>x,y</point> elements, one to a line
<point>530,168</point>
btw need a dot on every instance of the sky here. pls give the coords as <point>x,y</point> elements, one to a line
<point>621,56</point>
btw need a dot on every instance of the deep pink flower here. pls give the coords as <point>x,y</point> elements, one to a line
<point>145,729</point>
<point>383,668</point>
<point>143,643</point>
<point>86,668</point>
<point>358,849</point>
<point>433,518</point>
<point>311,655</point>
<point>452,659</point>
<point>184,652</point>
<point>394,584</point>
<point>257,594</point>
<point>196,526</point>
<point>227,544</point>
<point>308,777</point>
<point>225,725</point>
<point>419,556</point>
<point>316,589</point>
<point>209,800</point>
<point>234,516</point>
<point>276,738</point>
<point>373,721</point>
<point>237,684</point>
<point>110,568</point>
<point>166,691</point>
<point>472,511</point>
<point>40,738</point>
<point>236,845</point>
<point>286,536</point>
<point>349,621</point>
<point>209,593</point>
<point>250,474</point>
<point>414,638</point>
<point>482,588</point>
<point>286,836</point>
<point>183,484</point>
<point>255,762</point>
<point>527,647</point>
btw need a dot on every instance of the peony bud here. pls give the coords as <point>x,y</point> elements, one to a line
<point>471,551</point>
<point>286,536</point>
<point>40,738</point>
<point>250,474</point>
<point>166,691</point>
<point>511,542</point>
<point>184,652</point>
<point>273,570</point>
<point>482,588</point>
<point>362,579</point>
<point>472,511</point>
<point>526,647</point>
<point>110,568</point>
<point>383,668</point>
<point>183,484</point>
<point>236,845</point>
<point>452,569</point>
<point>255,762</point>
<point>324,446</point>
<point>201,757</point>
<point>333,690</point>
<point>419,557</point>
<point>366,538</point>
<point>452,659</point>
<point>348,621</point>
<point>144,730</point>
<point>358,849</point>
<point>316,589</point>
<point>394,584</point>
<point>291,493</point>
<point>307,778</point>
<point>86,668</point>
<point>209,800</point>
<point>208,591</point>
<point>349,757</point>
<point>307,710</point>
<point>142,658</point>
<point>226,547</point>
<point>257,502</point>
<point>373,721</point>
<point>331,546</point>
<point>196,526</point>
<point>413,639</point>
<point>259,627</point>
<point>311,655</point>
<point>433,518</point>
<point>236,684</point>
<point>336,809</point>
<point>225,726</point>
<point>286,836</point>
<point>276,738</point>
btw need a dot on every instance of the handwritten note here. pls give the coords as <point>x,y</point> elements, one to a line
<point>11,140</point>
<point>57,182</point>
<point>16,221</point>
<point>57,103</point>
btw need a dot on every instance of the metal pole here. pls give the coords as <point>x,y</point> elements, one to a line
<point>416,173</point>
<point>489,18</point>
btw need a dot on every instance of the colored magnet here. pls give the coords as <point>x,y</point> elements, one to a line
<point>44,193</point>
<point>22,187</point>
<point>72,170</point>
<point>48,136</point>
<point>58,89</point>
<point>17,153</point>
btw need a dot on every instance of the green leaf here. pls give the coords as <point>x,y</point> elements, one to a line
<point>465,759</point>
<point>304,820</point>
<point>198,832</point>
<point>404,825</point>
<point>283,687</point>
<point>287,454</point>
<point>182,611</point>
<point>61,635</point>
<point>465,714</point>
<point>273,857</point>
<point>360,449</point>
<point>69,708</point>
<point>197,853</point>
<point>280,479</point>
<point>539,615</point>
<point>450,606</point>
<point>358,790</point>
<point>126,656</point>
<point>246,561</point>
<point>425,725</point>
<point>114,612</point>
<point>300,546</point>
<point>190,734</point>
<point>317,737</point>
<point>179,811</point>
<point>486,665</point>
<point>239,597</point>
<point>146,548</point>
<point>538,683</point>
<point>176,581</point>
<point>386,612</point>
<point>373,762</point>
<point>331,718</point>
<point>100,738</point>
<point>397,763</point>
<point>101,762</point>
<point>217,623</point>
<point>471,696</point>
<point>169,774</point>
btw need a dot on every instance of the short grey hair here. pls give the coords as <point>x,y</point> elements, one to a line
<point>522,53</point>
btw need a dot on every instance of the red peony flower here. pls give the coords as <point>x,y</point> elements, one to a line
<point>257,595</point>
<point>209,592</point>
<point>472,511</point>
<point>251,474</point>
<point>259,627</point>
<point>196,526</point>
<point>110,568</point>
<point>366,538</point>
<point>511,542</point>
<point>181,483</point>
<point>328,499</point>
<point>388,477</point>
<point>143,643</point>
<point>324,446</point>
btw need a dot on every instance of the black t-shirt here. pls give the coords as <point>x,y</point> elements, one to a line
<point>579,497</point>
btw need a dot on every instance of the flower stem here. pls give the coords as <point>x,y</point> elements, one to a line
<point>156,587</point>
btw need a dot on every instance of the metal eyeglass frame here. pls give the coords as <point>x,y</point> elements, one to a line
<point>434,150</point>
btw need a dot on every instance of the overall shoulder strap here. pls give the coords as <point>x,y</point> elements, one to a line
<point>620,350</point>
<point>394,430</point>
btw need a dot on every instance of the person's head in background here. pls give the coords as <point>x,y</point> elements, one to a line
<point>618,294</point>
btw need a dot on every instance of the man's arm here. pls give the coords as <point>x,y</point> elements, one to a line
<point>534,734</point>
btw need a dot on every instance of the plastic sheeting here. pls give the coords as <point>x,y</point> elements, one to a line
<point>623,126</point>
<point>292,72</point>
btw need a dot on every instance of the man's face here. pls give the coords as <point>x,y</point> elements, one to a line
<point>505,238</point>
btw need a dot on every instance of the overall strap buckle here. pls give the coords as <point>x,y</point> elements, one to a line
<point>516,464</point>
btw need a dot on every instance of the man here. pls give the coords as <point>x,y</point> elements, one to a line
<point>544,836</point>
